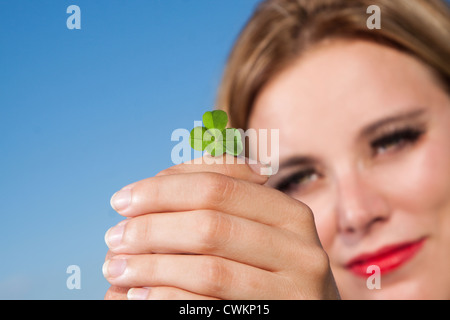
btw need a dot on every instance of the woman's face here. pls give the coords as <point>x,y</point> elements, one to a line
<point>365,143</point>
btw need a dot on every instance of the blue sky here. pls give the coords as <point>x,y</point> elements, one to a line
<point>85,112</point>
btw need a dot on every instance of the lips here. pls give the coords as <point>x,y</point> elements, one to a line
<point>388,258</point>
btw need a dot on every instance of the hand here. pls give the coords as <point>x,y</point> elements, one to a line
<point>214,231</point>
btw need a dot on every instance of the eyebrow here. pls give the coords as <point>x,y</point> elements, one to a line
<point>405,116</point>
<point>366,131</point>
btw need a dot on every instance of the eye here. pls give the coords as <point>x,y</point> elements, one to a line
<point>396,140</point>
<point>299,180</point>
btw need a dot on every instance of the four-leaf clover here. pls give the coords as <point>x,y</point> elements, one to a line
<point>214,137</point>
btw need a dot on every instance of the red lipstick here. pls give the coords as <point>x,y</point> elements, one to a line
<point>388,258</point>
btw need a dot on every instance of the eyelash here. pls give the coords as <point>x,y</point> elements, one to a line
<point>397,139</point>
<point>295,179</point>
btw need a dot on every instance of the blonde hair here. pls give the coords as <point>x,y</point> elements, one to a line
<point>281,30</point>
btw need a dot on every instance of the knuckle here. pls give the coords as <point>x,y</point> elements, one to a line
<point>145,232</point>
<point>227,169</point>
<point>319,266</point>
<point>315,271</point>
<point>217,188</point>
<point>308,215</point>
<point>167,172</point>
<point>214,231</point>
<point>137,232</point>
<point>149,188</point>
<point>145,269</point>
<point>305,212</point>
<point>302,217</point>
<point>162,293</point>
<point>323,262</point>
<point>217,277</point>
<point>129,233</point>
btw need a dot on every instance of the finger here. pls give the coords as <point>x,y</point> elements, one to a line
<point>213,191</point>
<point>164,293</point>
<point>116,293</point>
<point>206,232</point>
<point>236,167</point>
<point>204,275</point>
<point>110,253</point>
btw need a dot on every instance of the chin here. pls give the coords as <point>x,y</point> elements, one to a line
<point>400,287</point>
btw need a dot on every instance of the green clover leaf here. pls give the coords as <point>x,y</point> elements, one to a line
<point>214,138</point>
<point>233,141</point>
<point>216,119</point>
<point>197,140</point>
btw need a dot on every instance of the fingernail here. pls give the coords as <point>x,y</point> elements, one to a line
<point>138,294</point>
<point>113,236</point>
<point>121,200</point>
<point>114,268</point>
<point>263,169</point>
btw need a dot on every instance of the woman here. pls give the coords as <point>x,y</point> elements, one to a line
<point>363,185</point>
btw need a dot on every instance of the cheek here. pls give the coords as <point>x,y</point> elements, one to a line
<point>419,181</point>
<point>416,187</point>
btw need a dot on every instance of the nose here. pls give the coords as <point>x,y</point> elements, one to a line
<point>360,206</point>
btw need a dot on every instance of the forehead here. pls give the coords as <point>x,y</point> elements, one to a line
<point>335,90</point>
